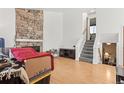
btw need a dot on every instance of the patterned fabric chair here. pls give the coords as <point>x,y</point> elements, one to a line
<point>35,63</point>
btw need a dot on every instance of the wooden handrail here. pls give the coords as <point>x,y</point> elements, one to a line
<point>100,54</point>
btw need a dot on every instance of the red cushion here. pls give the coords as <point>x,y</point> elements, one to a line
<point>27,53</point>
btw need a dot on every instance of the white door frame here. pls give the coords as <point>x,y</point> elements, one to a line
<point>90,16</point>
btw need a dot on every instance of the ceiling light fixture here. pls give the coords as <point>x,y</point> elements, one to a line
<point>108,43</point>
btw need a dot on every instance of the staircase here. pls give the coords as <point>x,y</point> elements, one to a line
<point>87,52</point>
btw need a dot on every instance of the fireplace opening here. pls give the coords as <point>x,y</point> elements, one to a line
<point>37,48</point>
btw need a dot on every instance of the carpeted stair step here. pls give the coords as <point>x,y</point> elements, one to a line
<point>88,45</point>
<point>90,41</point>
<point>87,52</point>
<point>88,48</point>
<point>87,55</point>
<point>89,60</point>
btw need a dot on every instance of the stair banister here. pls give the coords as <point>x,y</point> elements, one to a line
<point>80,44</point>
<point>81,41</point>
<point>100,55</point>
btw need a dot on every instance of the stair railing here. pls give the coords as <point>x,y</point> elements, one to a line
<point>100,55</point>
<point>80,44</point>
<point>81,41</point>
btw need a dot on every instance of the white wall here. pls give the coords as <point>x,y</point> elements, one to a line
<point>110,21</point>
<point>7,25</point>
<point>72,24</point>
<point>62,28</point>
<point>53,30</point>
<point>72,27</point>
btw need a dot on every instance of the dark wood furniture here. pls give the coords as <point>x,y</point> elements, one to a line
<point>119,75</point>
<point>69,53</point>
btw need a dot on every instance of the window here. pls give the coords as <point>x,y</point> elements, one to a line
<point>92,29</point>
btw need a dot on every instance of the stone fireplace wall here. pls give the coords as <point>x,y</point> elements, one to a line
<point>29,27</point>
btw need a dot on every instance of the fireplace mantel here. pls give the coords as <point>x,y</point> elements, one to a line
<point>28,40</point>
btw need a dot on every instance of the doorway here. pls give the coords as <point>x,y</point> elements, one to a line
<point>93,26</point>
<point>109,53</point>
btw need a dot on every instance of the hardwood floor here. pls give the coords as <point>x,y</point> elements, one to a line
<point>68,71</point>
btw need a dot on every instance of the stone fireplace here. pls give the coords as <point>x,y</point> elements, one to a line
<point>37,45</point>
<point>29,28</point>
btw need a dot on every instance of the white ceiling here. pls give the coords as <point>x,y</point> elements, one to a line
<point>88,10</point>
<point>66,10</point>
